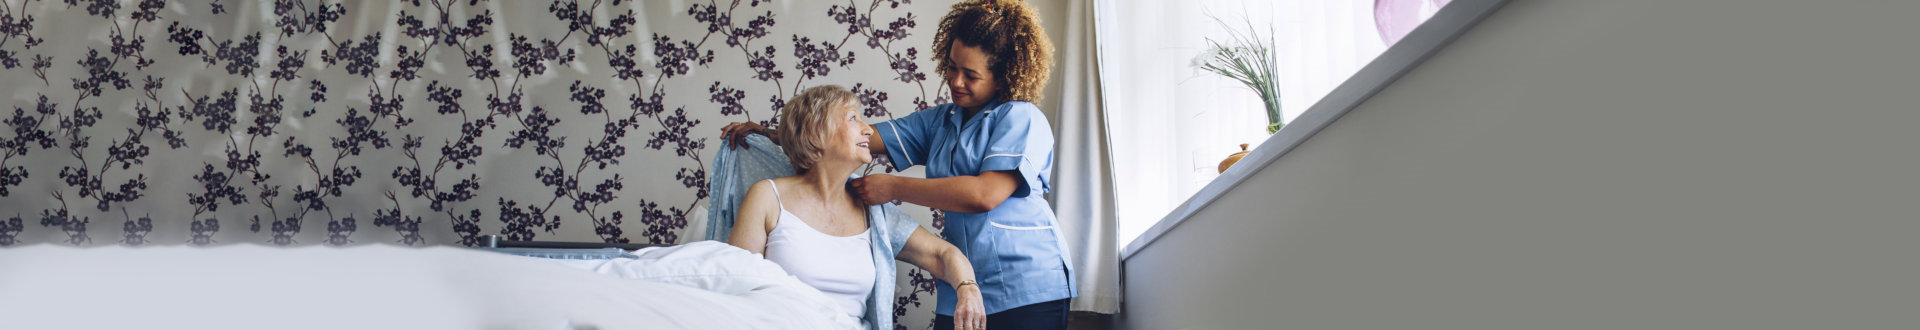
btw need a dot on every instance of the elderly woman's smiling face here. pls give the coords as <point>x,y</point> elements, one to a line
<point>848,140</point>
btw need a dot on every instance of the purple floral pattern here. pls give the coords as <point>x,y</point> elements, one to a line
<point>300,120</point>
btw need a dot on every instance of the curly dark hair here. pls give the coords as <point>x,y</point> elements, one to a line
<point>1018,51</point>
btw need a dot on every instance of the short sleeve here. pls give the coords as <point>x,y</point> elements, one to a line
<point>899,225</point>
<point>907,137</point>
<point>1022,141</point>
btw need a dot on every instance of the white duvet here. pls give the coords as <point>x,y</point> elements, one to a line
<point>695,286</point>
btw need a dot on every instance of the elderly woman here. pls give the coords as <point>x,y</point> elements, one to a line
<point>811,224</point>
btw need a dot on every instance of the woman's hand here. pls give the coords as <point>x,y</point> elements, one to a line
<point>874,189</point>
<point>947,264</point>
<point>969,313</point>
<point>735,134</point>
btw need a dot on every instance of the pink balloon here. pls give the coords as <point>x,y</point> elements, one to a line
<point>1395,18</point>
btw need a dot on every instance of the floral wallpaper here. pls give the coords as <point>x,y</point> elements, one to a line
<point>422,122</point>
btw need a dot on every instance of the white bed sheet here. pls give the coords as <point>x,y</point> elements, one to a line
<point>697,286</point>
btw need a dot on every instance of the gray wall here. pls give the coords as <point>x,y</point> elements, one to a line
<point>1577,164</point>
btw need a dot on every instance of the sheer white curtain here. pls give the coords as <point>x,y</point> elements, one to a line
<point>1171,124</point>
<point>1083,186</point>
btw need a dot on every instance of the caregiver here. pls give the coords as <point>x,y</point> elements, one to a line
<point>988,156</point>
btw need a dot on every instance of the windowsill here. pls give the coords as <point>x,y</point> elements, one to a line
<point>1397,60</point>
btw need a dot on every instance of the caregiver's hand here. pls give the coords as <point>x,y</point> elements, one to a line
<point>736,133</point>
<point>874,189</point>
<point>968,313</point>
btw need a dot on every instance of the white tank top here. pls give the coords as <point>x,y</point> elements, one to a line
<point>841,267</point>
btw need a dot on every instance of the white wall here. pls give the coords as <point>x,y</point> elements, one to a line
<point>1566,164</point>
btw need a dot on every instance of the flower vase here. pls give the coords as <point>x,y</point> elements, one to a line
<point>1272,100</point>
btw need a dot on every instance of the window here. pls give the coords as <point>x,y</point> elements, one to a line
<point>1170,124</point>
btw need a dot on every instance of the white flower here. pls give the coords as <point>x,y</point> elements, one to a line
<point>1206,56</point>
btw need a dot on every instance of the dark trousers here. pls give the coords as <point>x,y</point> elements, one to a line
<point>1050,315</point>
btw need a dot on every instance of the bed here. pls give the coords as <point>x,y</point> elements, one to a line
<point>702,285</point>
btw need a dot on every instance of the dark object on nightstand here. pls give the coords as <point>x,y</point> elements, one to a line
<point>495,241</point>
<point>561,250</point>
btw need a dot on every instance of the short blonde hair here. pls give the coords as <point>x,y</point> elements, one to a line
<point>804,123</point>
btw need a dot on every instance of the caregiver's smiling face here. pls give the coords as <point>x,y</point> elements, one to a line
<point>968,77</point>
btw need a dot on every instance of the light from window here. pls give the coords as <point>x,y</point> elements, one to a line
<point>1170,125</point>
